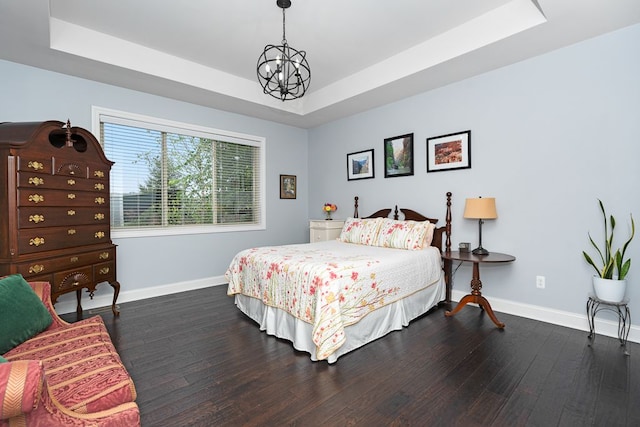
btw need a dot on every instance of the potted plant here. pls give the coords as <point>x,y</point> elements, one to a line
<point>610,282</point>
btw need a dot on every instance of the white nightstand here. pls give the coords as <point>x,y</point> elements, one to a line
<point>321,230</point>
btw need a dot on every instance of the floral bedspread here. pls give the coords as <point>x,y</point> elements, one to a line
<point>331,284</point>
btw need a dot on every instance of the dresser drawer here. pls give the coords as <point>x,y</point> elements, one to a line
<point>323,230</point>
<point>64,281</point>
<point>70,167</point>
<point>45,216</point>
<point>50,265</point>
<point>48,197</point>
<point>47,239</point>
<point>98,172</point>
<point>34,163</point>
<point>35,180</point>
<point>104,272</point>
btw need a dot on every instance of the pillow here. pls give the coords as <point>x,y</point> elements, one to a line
<point>3,360</point>
<point>21,382</point>
<point>428,237</point>
<point>411,235</point>
<point>22,313</point>
<point>360,231</point>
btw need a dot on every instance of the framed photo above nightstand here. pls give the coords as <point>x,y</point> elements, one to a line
<point>448,152</point>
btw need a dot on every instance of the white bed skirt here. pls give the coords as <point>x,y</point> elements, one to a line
<point>376,324</point>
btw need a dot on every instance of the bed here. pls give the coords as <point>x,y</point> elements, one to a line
<point>329,298</point>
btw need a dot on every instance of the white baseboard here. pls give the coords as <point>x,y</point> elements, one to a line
<point>543,314</point>
<point>556,317</point>
<point>104,301</point>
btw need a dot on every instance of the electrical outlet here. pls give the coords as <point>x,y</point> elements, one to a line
<point>540,282</point>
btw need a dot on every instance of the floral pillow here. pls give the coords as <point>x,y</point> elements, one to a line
<point>360,231</point>
<point>411,235</point>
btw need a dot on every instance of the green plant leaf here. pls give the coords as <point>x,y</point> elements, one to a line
<point>624,270</point>
<point>590,261</point>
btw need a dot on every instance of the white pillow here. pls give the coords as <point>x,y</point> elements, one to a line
<point>360,231</point>
<point>411,235</point>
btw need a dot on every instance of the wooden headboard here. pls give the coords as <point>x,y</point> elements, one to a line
<point>411,215</point>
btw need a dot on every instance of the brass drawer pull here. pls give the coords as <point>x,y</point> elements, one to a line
<point>35,269</point>
<point>71,212</point>
<point>35,165</point>
<point>71,196</point>
<point>99,235</point>
<point>71,232</point>
<point>36,218</point>
<point>73,259</point>
<point>104,270</point>
<point>99,200</point>
<point>36,198</point>
<point>98,216</point>
<point>36,241</point>
<point>74,284</point>
<point>104,255</point>
<point>34,180</point>
<point>71,181</point>
<point>99,186</point>
<point>98,174</point>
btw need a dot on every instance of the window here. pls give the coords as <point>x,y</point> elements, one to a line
<point>175,178</point>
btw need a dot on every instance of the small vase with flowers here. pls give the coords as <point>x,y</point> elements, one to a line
<point>329,208</point>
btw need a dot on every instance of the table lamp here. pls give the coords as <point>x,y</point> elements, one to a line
<point>480,209</point>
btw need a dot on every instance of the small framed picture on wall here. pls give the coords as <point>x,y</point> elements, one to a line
<point>398,156</point>
<point>360,165</point>
<point>288,187</point>
<point>448,152</point>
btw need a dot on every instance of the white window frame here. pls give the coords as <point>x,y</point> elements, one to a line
<point>133,119</point>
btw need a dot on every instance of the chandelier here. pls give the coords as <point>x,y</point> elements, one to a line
<point>283,72</point>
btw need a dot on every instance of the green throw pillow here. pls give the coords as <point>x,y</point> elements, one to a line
<point>3,360</point>
<point>22,313</point>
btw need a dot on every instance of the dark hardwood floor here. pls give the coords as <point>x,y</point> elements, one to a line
<point>197,361</point>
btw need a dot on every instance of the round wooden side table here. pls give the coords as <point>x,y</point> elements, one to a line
<point>476,285</point>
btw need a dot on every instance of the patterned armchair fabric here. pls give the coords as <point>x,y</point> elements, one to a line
<point>68,375</point>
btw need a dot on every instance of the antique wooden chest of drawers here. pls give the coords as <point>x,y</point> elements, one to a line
<point>54,208</point>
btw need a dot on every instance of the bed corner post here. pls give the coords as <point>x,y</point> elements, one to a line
<point>448,278</point>
<point>355,207</point>
<point>448,224</point>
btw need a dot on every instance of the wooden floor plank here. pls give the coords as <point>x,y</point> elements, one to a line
<point>197,361</point>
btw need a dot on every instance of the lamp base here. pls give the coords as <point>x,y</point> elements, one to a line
<point>480,251</point>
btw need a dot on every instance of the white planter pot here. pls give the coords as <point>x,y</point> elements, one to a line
<point>609,289</point>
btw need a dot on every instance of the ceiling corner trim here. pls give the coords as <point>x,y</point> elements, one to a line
<point>498,24</point>
<point>96,46</point>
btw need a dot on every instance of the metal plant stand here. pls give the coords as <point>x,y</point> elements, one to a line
<point>595,304</point>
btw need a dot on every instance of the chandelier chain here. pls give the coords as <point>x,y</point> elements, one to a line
<point>284,37</point>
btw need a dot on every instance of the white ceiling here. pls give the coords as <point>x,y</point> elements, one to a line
<point>363,53</point>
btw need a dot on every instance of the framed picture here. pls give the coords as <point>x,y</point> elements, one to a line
<point>360,165</point>
<point>449,152</point>
<point>398,156</point>
<point>288,186</point>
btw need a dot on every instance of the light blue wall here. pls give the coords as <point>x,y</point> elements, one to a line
<point>550,135</point>
<point>31,94</point>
